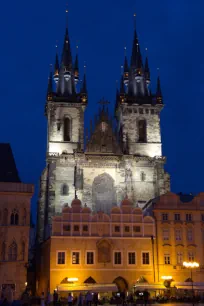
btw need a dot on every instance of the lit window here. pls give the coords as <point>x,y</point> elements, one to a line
<point>75,258</point>
<point>165,234</point>
<point>117,258</point>
<point>164,217</point>
<point>189,234</point>
<point>145,258</point>
<point>188,217</point>
<point>178,234</point>
<point>117,229</point>
<point>191,256</point>
<point>179,258</point>
<point>136,229</point>
<point>167,260</point>
<point>60,258</point>
<point>177,217</point>
<point>90,258</point>
<point>131,258</point>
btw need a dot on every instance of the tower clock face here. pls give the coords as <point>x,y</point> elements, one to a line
<point>103,126</point>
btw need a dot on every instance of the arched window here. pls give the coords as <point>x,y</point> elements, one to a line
<point>24,216</point>
<point>3,251</point>
<point>14,217</point>
<point>12,255</point>
<point>67,129</point>
<point>142,131</point>
<point>5,217</point>
<point>65,189</point>
<point>23,250</point>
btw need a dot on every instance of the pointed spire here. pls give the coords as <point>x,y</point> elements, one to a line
<point>159,92</point>
<point>66,53</point>
<point>126,68</point>
<point>50,86</point>
<point>146,70</point>
<point>136,58</point>
<point>76,64</point>
<point>56,73</point>
<point>84,86</point>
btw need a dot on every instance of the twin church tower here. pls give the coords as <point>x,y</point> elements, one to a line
<point>117,158</point>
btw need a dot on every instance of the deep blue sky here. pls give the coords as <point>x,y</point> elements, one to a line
<point>172,30</point>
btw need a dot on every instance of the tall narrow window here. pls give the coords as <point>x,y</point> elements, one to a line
<point>117,258</point>
<point>178,234</point>
<point>65,189</point>
<point>12,255</point>
<point>67,128</point>
<point>167,260</point>
<point>90,258</point>
<point>165,234</point>
<point>189,234</point>
<point>179,258</point>
<point>191,256</point>
<point>142,130</point>
<point>5,217</point>
<point>14,217</point>
<point>3,251</point>
<point>145,258</point>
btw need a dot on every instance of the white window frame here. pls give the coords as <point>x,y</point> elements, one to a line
<point>167,255</point>
<point>128,258</point>
<point>177,214</point>
<point>165,214</point>
<point>94,257</point>
<point>76,251</point>
<point>142,258</point>
<point>180,256</point>
<point>65,257</point>
<point>117,251</point>
<point>192,255</point>
<point>187,217</point>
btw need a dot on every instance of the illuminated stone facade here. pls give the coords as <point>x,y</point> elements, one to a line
<point>15,199</point>
<point>97,246</point>
<point>180,235</point>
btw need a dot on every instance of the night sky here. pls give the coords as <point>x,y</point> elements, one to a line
<point>173,32</point>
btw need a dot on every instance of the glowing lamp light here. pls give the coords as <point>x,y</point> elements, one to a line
<point>72,279</point>
<point>26,284</point>
<point>166,277</point>
<point>191,264</point>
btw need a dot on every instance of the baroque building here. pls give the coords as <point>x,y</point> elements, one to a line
<point>15,199</point>
<point>116,158</point>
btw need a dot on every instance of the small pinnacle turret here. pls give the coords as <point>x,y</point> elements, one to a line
<point>50,87</point>
<point>159,92</point>
<point>147,71</point>
<point>56,73</point>
<point>76,69</point>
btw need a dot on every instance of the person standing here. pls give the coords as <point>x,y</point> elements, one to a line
<point>55,298</point>
<point>42,299</point>
<point>88,298</point>
<point>80,300</point>
<point>70,299</point>
<point>95,299</point>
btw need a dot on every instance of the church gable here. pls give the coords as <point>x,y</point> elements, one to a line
<point>102,139</point>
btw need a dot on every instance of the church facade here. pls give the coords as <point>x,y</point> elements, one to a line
<point>117,158</point>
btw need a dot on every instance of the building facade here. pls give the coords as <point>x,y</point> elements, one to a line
<point>15,199</point>
<point>179,221</point>
<point>98,248</point>
<point>119,158</point>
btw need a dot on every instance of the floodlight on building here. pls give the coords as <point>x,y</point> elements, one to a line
<point>168,277</point>
<point>72,279</point>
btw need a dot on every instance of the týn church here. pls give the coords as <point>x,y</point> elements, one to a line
<point>90,221</point>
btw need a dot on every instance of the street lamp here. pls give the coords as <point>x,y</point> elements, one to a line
<point>191,265</point>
